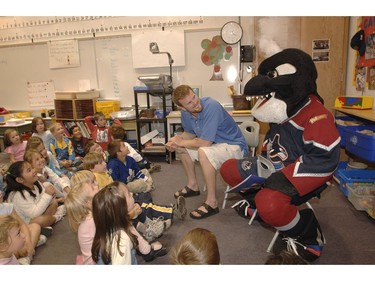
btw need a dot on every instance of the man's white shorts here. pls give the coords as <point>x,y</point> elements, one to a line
<point>218,153</point>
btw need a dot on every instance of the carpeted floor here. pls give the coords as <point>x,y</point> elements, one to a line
<point>349,233</point>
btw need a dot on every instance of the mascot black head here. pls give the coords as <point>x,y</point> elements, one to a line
<point>284,80</point>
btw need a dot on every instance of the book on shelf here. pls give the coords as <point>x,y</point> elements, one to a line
<point>81,125</point>
<point>83,128</point>
<point>65,128</point>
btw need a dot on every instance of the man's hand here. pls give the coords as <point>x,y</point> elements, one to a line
<point>171,145</point>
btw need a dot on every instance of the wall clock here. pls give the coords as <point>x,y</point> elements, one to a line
<point>231,32</point>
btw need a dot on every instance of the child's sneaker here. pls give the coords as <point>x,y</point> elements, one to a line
<point>24,260</point>
<point>154,228</point>
<point>154,254</point>
<point>179,209</point>
<point>42,240</point>
<point>154,168</point>
<point>60,213</point>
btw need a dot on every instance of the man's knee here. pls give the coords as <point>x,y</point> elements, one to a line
<point>202,155</point>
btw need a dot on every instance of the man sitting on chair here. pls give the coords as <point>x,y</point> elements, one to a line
<point>302,143</point>
<point>211,136</point>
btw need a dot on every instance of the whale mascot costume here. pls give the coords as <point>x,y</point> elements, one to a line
<point>302,145</point>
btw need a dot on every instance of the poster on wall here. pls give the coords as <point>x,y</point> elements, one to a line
<point>41,94</point>
<point>320,50</point>
<point>371,77</point>
<point>360,78</point>
<point>368,26</point>
<point>63,54</point>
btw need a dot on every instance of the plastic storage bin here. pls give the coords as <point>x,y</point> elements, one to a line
<point>360,144</point>
<point>362,196</point>
<point>347,177</point>
<point>107,107</point>
<point>341,127</point>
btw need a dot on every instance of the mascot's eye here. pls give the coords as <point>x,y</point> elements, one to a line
<point>272,74</point>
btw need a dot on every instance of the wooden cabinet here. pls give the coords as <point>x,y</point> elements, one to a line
<point>73,112</point>
<point>75,109</point>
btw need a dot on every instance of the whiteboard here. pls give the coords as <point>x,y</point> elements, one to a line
<point>30,64</point>
<point>107,63</point>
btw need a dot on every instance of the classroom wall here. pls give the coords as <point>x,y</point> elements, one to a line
<point>107,63</point>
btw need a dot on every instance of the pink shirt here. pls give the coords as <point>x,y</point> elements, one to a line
<point>18,150</point>
<point>9,261</point>
<point>86,233</point>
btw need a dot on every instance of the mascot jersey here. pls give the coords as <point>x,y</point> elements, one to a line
<point>303,147</point>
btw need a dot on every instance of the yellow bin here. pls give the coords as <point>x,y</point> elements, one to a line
<point>107,107</point>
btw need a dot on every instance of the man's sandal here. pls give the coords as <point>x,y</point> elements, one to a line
<point>187,192</point>
<point>210,212</point>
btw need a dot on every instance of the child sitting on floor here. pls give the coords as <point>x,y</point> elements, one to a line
<point>198,246</point>
<point>39,128</point>
<point>100,132</point>
<point>14,145</point>
<point>148,218</point>
<point>95,162</point>
<point>51,162</point>
<point>45,175</point>
<point>116,239</point>
<point>78,141</point>
<point>124,168</point>
<point>33,202</point>
<point>79,205</point>
<point>62,148</point>
<point>31,232</point>
<point>118,132</point>
<point>11,240</point>
<point>92,146</point>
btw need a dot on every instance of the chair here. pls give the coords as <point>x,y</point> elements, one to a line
<point>250,130</point>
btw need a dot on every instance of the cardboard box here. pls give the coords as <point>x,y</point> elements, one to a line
<point>361,102</point>
<point>107,107</point>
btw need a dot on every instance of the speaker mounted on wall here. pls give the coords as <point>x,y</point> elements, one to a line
<point>247,53</point>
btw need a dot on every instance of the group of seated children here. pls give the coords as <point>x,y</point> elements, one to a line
<point>51,173</point>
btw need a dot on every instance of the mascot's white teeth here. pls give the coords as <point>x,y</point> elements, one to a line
<point>266,97</point>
